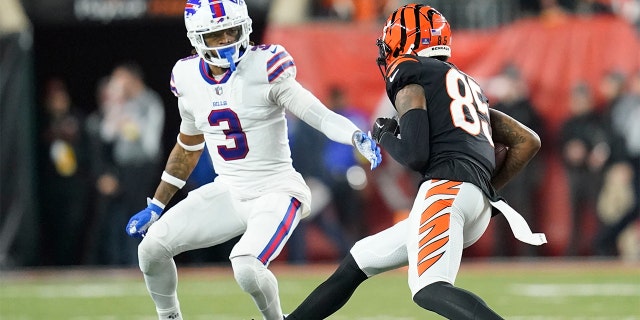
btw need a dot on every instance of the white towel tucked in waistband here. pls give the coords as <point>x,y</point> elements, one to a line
<point>518,225</point>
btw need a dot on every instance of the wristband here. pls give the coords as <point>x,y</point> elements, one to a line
<point>157,203</point>
<point>196,147</point>
<point>168,178</point>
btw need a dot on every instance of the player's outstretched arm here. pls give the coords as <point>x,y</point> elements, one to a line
<point>304,105</point>
<point>181,162</point>
<point>523,144</point>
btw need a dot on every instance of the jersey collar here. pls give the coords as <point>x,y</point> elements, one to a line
<point>206,75</point>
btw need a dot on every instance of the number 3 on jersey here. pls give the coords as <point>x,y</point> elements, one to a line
<point>235,133</point>
<point>467,104</point>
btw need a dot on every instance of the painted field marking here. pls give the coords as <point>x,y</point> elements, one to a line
<point>576,290</point>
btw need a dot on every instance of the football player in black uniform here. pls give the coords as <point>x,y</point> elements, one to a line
<point>444,133</point>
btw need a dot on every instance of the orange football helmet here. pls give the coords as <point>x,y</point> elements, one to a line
<point>414,29</point>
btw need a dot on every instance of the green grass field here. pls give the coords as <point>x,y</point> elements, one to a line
<point>526,290</point>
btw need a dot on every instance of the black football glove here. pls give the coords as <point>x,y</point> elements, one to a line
<point>383,125</point>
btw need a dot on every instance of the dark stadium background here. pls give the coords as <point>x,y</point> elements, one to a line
<point>81,41</point>
<point>81,46</point>
<point>83,51</point>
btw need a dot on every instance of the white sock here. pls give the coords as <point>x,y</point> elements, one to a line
<point>173,314</point>
<point>162,284</point>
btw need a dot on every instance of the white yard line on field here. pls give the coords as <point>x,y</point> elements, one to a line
<point>578,289</point>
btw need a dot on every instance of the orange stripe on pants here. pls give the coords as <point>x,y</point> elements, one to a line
<point>435,226</point>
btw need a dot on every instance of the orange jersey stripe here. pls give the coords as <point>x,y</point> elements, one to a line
<point>397,62</point>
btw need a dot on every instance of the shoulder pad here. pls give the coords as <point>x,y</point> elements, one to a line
<point>273,61</point>
<point>403,59</point>
<point>178,69</point>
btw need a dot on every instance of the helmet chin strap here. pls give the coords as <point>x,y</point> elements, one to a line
<point>227,53</point>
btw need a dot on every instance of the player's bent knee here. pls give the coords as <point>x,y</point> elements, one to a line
<point>246,270</point>
<point>150,250</point>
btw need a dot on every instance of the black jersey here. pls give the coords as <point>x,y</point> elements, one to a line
<point>460,142</point>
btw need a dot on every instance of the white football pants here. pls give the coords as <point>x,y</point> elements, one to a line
<point>211,215</point>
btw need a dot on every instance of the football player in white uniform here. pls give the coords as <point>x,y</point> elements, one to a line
<point>232,96</point>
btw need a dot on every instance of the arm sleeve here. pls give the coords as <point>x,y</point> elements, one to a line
<point>412,149</point>
<point>304,105</point>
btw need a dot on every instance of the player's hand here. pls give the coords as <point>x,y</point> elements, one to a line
<point>141,221</point>
<point>368,148</point>
<point>383,125</point>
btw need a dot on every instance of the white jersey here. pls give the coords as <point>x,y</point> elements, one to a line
<point>242,114</point>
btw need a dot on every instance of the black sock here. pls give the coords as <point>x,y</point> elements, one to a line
<point>332,294</point>
<point>454,303</point>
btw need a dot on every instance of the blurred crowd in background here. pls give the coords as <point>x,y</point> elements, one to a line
<point>96,164</point>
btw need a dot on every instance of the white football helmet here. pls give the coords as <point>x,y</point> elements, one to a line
<point>202,17</point>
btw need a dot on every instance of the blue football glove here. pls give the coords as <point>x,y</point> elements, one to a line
<point>141,221</point>
<point>368,148</point>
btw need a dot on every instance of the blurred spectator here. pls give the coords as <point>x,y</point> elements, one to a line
<point>611,88</point>
<point>593,7</point>
<point>512,94</point>
<point>307,147</point>
<point>585,150</point>
<point>552,13</point>
<point>612,200</point>
<point>397,185</point>
<point>352,10</point>
<point>629,10</point>
<point>130,134</point>
<point>345,176</point>
<point>63,185</point>
<point>101,162</point>
<point>619,203</point>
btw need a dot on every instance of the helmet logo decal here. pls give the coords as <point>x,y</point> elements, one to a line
<point>217,9</point>
<point>206,17</point>
<point>191,7</point>
<point>426,41</point>
<point>436,32</point>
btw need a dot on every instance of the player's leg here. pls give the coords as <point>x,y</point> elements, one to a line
<point>204,218</point>
<point>270,221</point>
<point>332,294</point>
<point>453,303</point>
<point>372,255</point>
<point>452,217</point>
